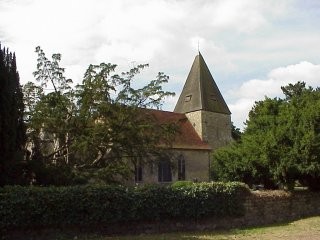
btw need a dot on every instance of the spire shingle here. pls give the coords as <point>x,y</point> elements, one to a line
<point>200,92</point>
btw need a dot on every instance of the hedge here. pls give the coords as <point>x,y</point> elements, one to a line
<point>25,207</point>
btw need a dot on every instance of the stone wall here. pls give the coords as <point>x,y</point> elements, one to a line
<point>196,164</point>
<point>262,207</point>
<point>196,167</point>
<point>196,120</point>
<point>213,128</point>
<point>266,207</point>
<point>216,129</point>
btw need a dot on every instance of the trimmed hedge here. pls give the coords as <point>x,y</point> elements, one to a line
<point>25,207</point>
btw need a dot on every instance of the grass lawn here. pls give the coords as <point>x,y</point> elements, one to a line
<point>304,229</point>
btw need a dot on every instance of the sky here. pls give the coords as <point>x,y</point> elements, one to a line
<point>252,47</point>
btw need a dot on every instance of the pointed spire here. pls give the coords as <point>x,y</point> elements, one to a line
<point>200,91</point>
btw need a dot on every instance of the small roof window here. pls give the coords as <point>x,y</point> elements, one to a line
<point>188,98</point>
<point>213,97</point>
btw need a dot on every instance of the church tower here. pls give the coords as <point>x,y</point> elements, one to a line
<point>204,105</point>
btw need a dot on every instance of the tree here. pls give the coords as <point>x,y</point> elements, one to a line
<point>303,105</point>
<point>280,144</point>
<point>102,124</point>
<point>49,117</point>
<point>12,128</point>
<point>235,133</point>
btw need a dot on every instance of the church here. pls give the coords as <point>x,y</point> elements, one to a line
<point>204,122</point>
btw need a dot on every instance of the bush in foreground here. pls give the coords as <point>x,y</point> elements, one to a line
<point>22,207</point>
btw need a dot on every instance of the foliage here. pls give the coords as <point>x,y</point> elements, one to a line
<point>229,164</point>
<point>181,184</point>
<point>97,206</point>
<point>101,124</point>
<point>12,128</point>
<point>235,133</point>
<point>280,144</point>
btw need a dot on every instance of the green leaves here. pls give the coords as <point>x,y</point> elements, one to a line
<point>98,124</point>
<point>280,144</point>
<point>50,71</point>
<point>99,206</point>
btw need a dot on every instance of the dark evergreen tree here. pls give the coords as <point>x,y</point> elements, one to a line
<point>12,130</point>
<point>280,145</point>
<point>236,133</point>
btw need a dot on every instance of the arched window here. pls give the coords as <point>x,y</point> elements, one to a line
<point>181,168</point>
<point>164,171</point>
<point>138,173</point>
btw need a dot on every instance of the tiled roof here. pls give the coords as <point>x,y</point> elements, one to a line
<point>186,137</point>
<point>200,91</point>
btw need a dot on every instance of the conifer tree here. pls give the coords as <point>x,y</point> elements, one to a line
<point>12,130</point>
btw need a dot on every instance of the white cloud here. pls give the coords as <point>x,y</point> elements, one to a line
<point>240,14</point>
<point>239,40</point>
<point>240,110</point>
<point>124,31</point>
<point>303,71</point>
<point>256,89</point>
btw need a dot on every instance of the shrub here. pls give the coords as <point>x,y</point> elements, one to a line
<point>179,184</point>
<point>25,207</point>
